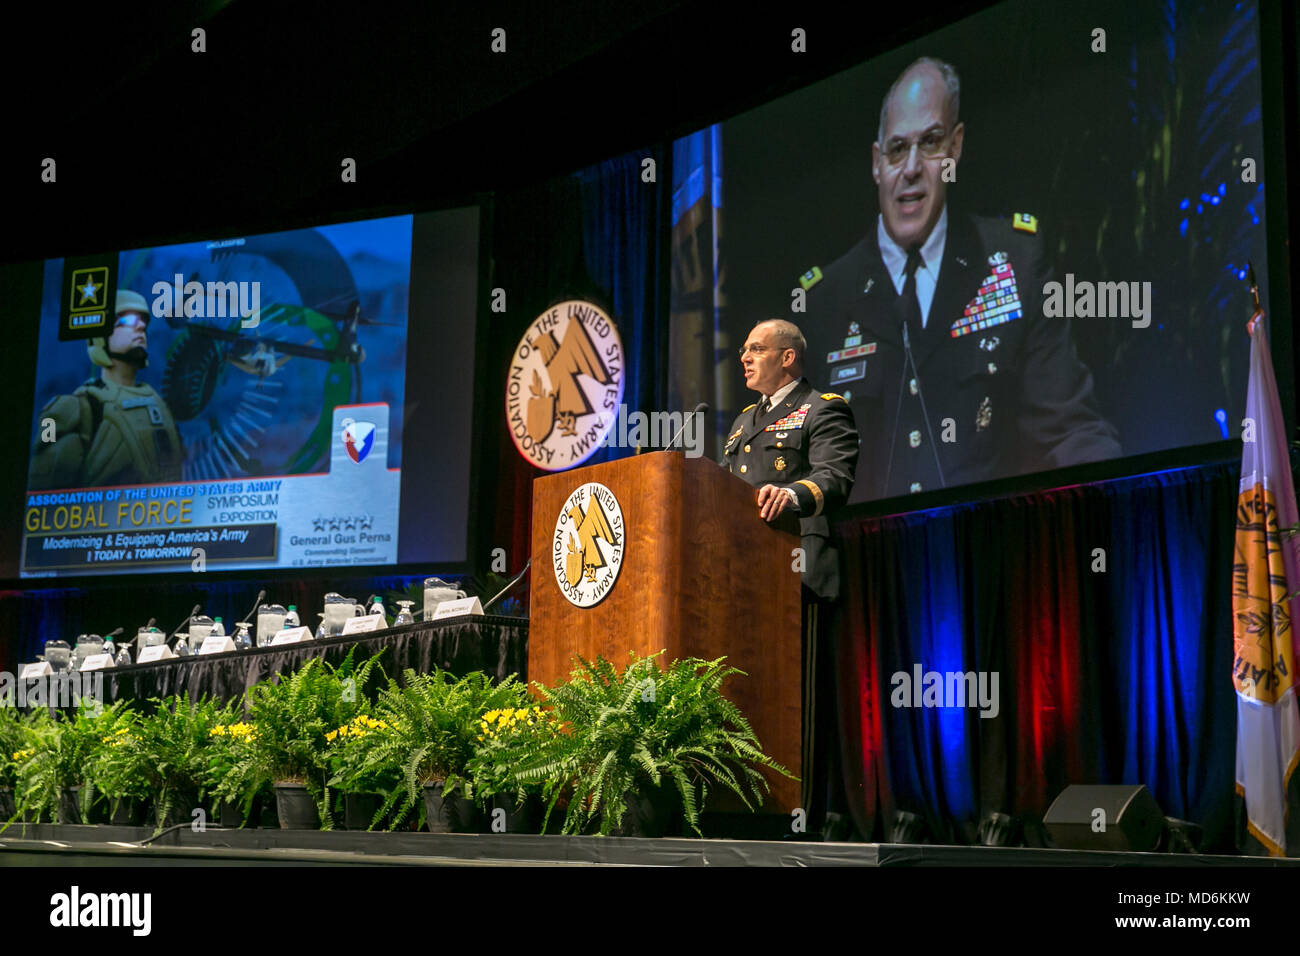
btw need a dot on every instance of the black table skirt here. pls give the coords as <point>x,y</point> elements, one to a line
<point>495,645</point>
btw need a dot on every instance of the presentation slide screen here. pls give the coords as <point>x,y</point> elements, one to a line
<point>1083,188</point>
<point>255,402</point>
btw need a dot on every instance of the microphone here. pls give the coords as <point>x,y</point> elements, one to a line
<point>500,594</point>
<point>188,617</point>
<point>248,618</point>
<point>700,409</point>
<point>925,413</point>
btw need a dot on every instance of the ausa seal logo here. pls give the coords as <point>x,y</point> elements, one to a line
<point>588,544</point>
<point>565,385</point>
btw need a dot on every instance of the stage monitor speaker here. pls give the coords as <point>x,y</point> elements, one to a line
<point>1108,817</point>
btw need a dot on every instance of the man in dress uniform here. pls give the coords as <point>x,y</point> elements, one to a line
<point>799,447</point>
<point>932,328</point>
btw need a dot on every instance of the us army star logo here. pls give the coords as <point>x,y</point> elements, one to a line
<point>588,544</point>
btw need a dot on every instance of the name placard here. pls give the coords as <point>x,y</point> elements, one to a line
<point>364,624</point>
<point>217,644</point>
<point>154,653</point>
<point>291,635</point>
<point>39,669</point>
<point>458,608</point>
<point>97,662</point>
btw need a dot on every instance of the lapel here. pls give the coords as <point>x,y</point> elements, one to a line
<point>876,310</point>
<point>959,277</point>
<point>798,395</point>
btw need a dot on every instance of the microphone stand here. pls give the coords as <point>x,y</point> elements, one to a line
<point>515,580</point>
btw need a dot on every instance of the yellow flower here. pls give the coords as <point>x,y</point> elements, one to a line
<point>491,715</point>
<point>331,735</point>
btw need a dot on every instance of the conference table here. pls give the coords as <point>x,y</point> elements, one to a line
<point>493,644</point>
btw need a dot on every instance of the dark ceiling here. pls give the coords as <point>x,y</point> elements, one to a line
<point>155,142</point>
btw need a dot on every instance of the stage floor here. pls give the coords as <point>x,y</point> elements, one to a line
<point>63,846</point>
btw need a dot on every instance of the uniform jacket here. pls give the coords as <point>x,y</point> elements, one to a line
<point>1005,381</point>
<point>809,443</point>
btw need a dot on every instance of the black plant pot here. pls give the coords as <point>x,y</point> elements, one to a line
<point>128,812</point>
<point>7,807</point>
<point>652,812</point>
<point>360,808</point>
<point>69,805</point>
<point>181,811</point>
<point>229,815</point>
<point>515,817</point>
<point>452,814</point>
<point>296,807</point>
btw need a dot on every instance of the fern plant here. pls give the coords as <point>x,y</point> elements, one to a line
<point>170,749</point>
<point>292,718</point>
<point>60,753</point>
<point>431,726</point>
<point>14,736</point>
<point>118,769</point>
<point>234,774</point>
<point>505,737</point>
<point>642,728</point>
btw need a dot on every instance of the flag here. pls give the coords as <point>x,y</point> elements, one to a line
<point>1264,574</point>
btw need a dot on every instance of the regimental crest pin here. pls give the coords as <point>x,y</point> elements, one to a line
<point>984,415</point>
<point>779,464</point>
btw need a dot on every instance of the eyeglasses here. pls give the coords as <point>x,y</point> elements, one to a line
<point>931,145</point>
<point>132,320</point>
<point>756,349</point>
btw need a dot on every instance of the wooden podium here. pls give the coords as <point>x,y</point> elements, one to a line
<point>702,575</point>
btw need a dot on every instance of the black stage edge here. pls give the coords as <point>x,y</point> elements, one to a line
<point>51,845</point>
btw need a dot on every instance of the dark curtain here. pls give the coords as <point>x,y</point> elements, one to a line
<point>594,234</point>
<point>1105,611</point>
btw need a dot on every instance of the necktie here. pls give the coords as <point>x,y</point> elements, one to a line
<point>912,304</point>
<point>762,409</point>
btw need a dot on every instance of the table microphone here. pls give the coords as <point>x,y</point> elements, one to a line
<point>248,618</point>
<point>188,617</point>
<point>515,580</point>
<point>700,409</point>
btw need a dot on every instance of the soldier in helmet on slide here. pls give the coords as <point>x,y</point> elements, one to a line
<point>113,430</point>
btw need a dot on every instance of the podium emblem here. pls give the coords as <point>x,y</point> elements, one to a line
<point>588,544</point>
<point>565,385</point>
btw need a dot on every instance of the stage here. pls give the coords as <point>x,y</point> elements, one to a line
<point>43,845</point>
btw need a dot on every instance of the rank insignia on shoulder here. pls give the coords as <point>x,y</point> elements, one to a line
<point>1025,222</point>
<point>811,278</point>
<point>831,396</point>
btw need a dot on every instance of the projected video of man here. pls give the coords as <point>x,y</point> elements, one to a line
<point>932,326</point>
<point>1015,245</point>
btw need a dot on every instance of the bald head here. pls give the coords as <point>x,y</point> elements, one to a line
<point>916,82</point>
